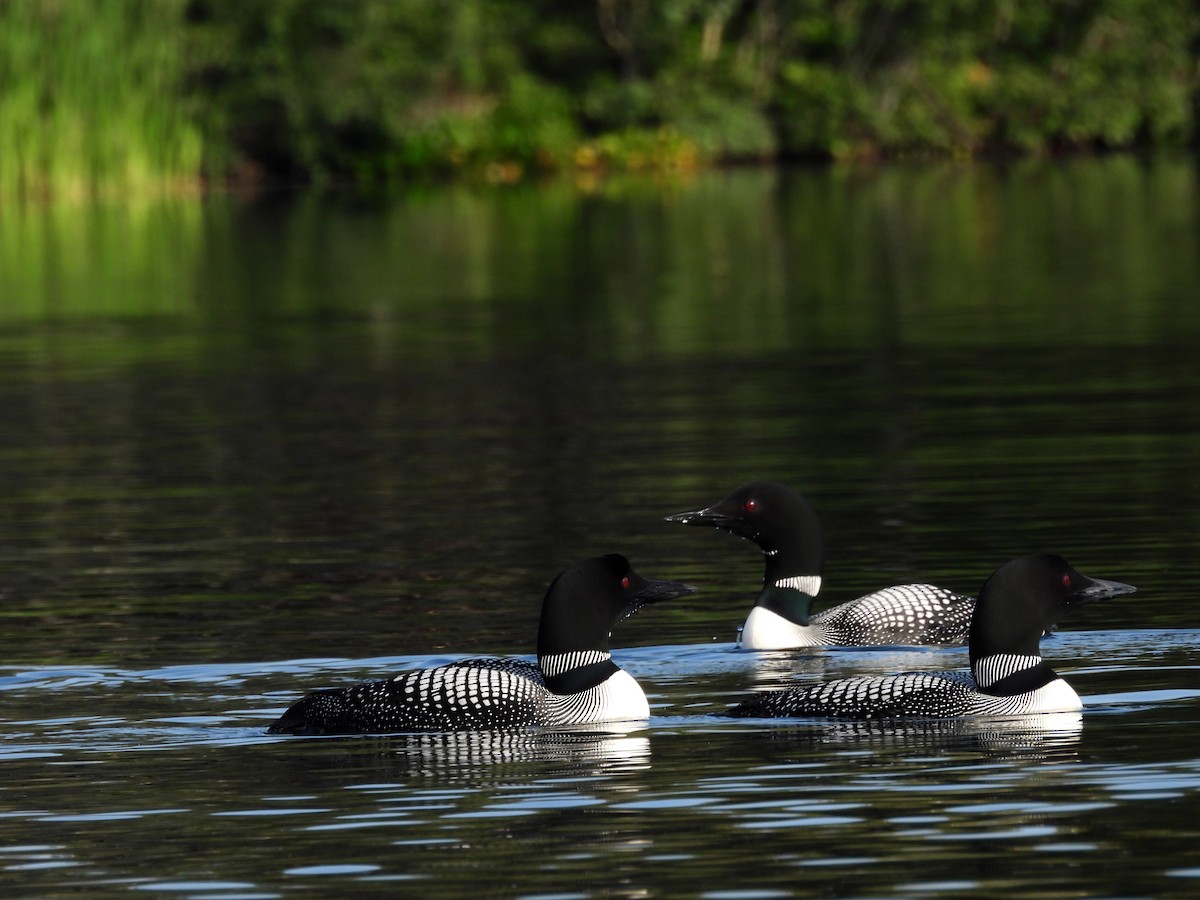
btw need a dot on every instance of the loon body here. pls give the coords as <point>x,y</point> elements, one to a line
<point>1018,603</point>
<point>574,681</point>
<point>786,529</point>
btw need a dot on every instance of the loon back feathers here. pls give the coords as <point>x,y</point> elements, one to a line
<point>939,616</point>
<point>862,697</point>
<point>783,525</point>
<point>574,682</point>
<point>929,695</point>
<point>472,695</point>
<point>1019,602</point>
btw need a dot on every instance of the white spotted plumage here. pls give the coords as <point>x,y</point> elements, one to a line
<point>1008,677</point>
<point>903,614</point>
<point>478,694</point>
<point>573,682</point>
<point>911,695</point>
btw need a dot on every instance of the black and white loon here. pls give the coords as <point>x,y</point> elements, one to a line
<point>786,529</point>
<point>1008,677</point>
<point>574,682</point>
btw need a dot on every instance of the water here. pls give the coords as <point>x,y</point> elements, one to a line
<point>260,447</point>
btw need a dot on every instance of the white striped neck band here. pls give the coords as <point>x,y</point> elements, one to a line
<point>993,668</point>
<point>558,663</point>
<point>806,584</point>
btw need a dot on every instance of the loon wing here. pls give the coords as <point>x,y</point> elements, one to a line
<point>519,667</point>
<point>471,695</point>
<point>902,614</point>
<point>915,694</point>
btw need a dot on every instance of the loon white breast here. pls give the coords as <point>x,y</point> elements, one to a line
<point>785,527</point>
<point>574,681</point>
<point>1018,603</point>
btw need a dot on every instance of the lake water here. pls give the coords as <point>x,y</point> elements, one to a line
<point>260,446</point>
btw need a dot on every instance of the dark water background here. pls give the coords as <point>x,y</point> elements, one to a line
<point>254,447</point>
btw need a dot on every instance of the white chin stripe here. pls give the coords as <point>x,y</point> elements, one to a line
<point>806,584</point>
<point>991,669</point>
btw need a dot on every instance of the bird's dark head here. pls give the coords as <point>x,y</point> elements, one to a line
<point>587,599</point>
<point>773,516</point>
<point>1026,597</point>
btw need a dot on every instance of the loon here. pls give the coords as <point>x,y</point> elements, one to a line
<point>786,529</point>
<point>1008,677</point>
<point>574,682</point>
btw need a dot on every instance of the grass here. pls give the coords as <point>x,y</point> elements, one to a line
<point>72,123</point>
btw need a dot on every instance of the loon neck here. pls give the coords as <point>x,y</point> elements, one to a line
<point>577,670</point>
<point>787,561</point>
<point>790,599</point>
<point>1007,674</point>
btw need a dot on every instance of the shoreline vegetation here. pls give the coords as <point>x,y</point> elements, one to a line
<point>125,97</point>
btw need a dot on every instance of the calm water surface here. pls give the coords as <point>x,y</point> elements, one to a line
<point>259,447</point>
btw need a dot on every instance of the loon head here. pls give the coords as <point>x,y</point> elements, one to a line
<point>1024,598</point>
<point>587,599</point>
<point>774,517</point>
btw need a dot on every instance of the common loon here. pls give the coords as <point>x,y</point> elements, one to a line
<point>786,529</point>
<point>1008,677</point>
<point>574,681</point>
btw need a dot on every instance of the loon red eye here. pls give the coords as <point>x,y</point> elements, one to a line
<point>625,582</point>
<point>1066,580</point>
<point>750,505</point>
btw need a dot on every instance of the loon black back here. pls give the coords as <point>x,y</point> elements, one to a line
<point>573,682</point>
<point>472,695</point>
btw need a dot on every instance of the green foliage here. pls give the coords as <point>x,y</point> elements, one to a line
<point>90,98</point>
<point>529,124</point>
<point>1113,77</point>
<point>120,94</point>
<point>960,77</point>
<point>637,148</point>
